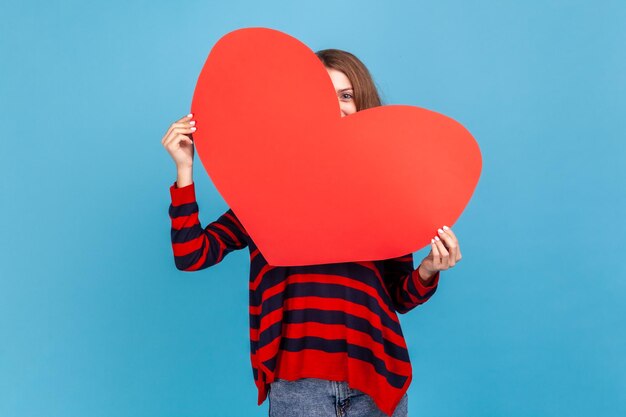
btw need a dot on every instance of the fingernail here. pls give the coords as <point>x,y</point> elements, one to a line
<point>437,238</point>
<point>193,122</point>
<point>193,128</point>
<point>440,231</point>
<point>445,227</point>
<point>432,240</point>
<point>189,115</point>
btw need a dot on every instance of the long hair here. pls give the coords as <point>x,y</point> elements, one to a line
<point>365,92</point>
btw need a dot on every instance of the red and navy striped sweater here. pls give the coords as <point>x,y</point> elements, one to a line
<point>334,321</point>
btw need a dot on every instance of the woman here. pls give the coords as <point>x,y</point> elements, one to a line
<point>325,339</point>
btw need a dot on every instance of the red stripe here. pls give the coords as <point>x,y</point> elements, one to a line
<point>236,222</point>
<point>347,282</point>
<point>185,221</point>
<point>269,292</point>
<point>354,337</point>
<point>421,288</point>
<point>228,232</point>
<point>269,319</point>
<point>311,363</point>
<point>267,352</point>
<point>184,195</point>
<point>404,288</point>
<point>219,242</point>
<point>185,248</point>
<point>327,279</point>
<point>257,280</point>
<point>370,265</point>
<point>202,259</point>
<point>338,304</point>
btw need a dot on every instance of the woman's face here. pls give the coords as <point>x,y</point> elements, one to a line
<point>345,93</point>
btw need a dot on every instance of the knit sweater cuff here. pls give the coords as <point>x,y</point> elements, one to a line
<point>419,284</point>
<point>183,195</point>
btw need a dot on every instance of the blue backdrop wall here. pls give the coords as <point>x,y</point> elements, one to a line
<point>95,320</point>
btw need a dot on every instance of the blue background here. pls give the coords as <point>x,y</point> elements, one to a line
<point>96,321</point>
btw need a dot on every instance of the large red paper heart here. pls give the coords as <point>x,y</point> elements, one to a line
<point>309,186</point>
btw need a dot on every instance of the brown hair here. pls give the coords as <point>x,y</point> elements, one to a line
<point>365,92</point>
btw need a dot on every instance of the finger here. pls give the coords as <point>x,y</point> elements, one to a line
<point>450,243</point>
<point>449,231</point>
<point>448,237</point>
<point>168,138</point>
<point>443,251</point>
<point>184,125</point>
<point>169,131</point>
<point>178,131</point>
<point>436,254</point>
<point>185,143</point>
<point>171,137</point>
<point>185,130</point>
<point>183,121</point>
<point>458,246</point>
<point>186,139</point>
<point>176,142</point>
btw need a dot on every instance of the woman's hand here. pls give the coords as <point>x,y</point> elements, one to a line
<point>444,253</point>
<point>179,142</point>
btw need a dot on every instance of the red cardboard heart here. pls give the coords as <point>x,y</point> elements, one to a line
<point>309,186</point>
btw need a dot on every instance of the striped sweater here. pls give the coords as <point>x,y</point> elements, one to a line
<point>334,321</point>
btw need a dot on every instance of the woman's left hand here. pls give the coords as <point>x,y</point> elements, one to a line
<point>444,253</point>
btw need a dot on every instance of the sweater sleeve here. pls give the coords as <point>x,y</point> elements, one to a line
<point>404,285</point>
<point>196,247</point>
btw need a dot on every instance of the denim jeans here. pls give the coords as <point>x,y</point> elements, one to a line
<point>312,397</point>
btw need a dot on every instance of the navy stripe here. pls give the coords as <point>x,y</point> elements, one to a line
<point>395,280</point>
<point>254,321</point>
<point>350,321</point>
<point>401,298</point>
<point>353,351</point>
<point>395,273</point>
<point>276,275</point>
<point>271,333</point>
<point>186,234</point>
<point>234,224</point>
<point>306,289</point>
<point>271,363</point>
<point>355,272</point>
<point>232,227</point>
<point>332,317</point>
<point>186,261</point>
<point>256,265</point>
<point>411,287</point>
<point>314,289</point>
<point>186,209</point>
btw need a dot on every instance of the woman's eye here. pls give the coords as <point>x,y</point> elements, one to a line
<point>346,96</point>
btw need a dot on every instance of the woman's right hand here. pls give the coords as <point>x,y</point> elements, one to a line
<point>179,142</point>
